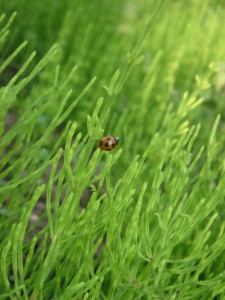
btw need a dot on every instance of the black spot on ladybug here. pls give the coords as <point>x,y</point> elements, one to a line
<point>100,143</point>
<point>113,145</point>
<point>106,144</point>
<point>108,138</point>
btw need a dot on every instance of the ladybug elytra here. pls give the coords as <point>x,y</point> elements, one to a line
<point>108,143</point>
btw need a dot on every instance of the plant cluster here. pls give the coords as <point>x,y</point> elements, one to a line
<point>146,220</point>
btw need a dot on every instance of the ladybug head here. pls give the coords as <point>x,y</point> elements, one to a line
<point>117,140</point>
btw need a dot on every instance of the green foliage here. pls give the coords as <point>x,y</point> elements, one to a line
<point>145,221</point>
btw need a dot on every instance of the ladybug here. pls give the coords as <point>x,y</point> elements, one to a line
<point>108,143</point>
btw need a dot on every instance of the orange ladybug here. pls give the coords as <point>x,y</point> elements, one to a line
<point>108,143</point>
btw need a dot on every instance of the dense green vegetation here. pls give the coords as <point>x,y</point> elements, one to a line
<point>146,220</point>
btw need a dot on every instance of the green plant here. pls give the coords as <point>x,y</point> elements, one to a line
<point>144,221</point>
